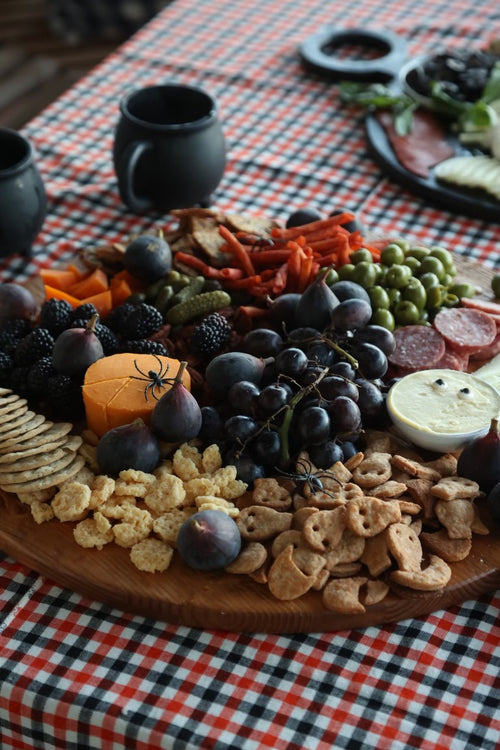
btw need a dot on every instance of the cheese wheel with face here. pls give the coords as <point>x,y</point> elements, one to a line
<point>115,388</point>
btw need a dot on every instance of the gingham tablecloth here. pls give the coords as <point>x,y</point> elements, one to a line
<point>75,674</point>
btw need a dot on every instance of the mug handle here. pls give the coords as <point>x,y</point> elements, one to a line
<point>130,158</point>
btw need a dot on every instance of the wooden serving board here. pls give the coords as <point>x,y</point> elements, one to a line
<point>223,601</point>
<point>217,600</point>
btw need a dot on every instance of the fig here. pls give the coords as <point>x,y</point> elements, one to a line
<point>75,349</point>
<point>148,258</point>
<point>209,540</point>
<point>493,502</point>
<point>480,459</point>
<point>229,368</point>
<point>262,342</point>
<point>283,310</point>
<point>316,304</point>
<point>177,416</point>
<point>130,446</point>
<point>16,302</point>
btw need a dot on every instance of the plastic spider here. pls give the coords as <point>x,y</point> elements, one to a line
<point>156,380</point>
<point>310,477</point>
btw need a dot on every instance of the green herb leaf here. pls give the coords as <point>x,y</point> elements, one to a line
<point>491,91</point>
<point>403,119</point>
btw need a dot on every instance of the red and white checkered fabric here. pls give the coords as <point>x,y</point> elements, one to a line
<point>75,674</point>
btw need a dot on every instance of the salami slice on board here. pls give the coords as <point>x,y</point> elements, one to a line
<point>465,330</point>
<point>417,348</point>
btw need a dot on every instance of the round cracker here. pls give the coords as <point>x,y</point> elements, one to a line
<point>52,480</point>
<point>31,462</point>
<point>18,433</point>
<point>73,442</point>
<point>16,423</point>
<point>41,426</point>
<point>10,411</point>
<point>5,391</point>
<point>48,467</point>
<point>12,401</point>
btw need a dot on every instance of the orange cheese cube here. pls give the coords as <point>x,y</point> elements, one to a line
<point>115,389</point>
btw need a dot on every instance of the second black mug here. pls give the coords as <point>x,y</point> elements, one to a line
<point>169,148</point>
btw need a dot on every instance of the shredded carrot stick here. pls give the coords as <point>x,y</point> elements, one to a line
<point>268,257</point>
<point>280,279</point>
<point>246,282</point>
<point>307,229</point>
<point>231,274</point>
<point>238,250</point>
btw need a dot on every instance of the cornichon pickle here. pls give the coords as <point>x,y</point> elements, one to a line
<point>164,298</point>
<point>201,304</point>
<point>194,287</point>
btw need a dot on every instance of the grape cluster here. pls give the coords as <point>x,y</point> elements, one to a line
<point>317,389</point>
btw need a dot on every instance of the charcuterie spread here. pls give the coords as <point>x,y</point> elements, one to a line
<point>230,402</point>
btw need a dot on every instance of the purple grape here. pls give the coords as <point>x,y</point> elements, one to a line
<point>240,428</point>
<point>262,342</point>
<point>372,362</point>
<point>326,454</point>
<point>266,448</point>
<point>242,395</point>
<point>271,399</point>
<point>313,426</point>
<point>333,386</point>
<point>351,314</point>
<point>291,362</point>
<point>345,415</point>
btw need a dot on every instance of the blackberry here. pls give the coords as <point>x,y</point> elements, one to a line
<point>11,333</point>
<point>105,335</point>
<point>135,321</point>
<point>82,312</point>
<point>37,344</point>
<point>38,376</point>
<point>55,315</point>
<point>143,321</point>
<point>64,397</point>
<point>5,369</point>
<point>211,334</point>
<point>117,318</point>
<point>19,380</point>
<point>144,346</point>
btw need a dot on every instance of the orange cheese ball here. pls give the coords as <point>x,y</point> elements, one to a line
<point>115,389</point>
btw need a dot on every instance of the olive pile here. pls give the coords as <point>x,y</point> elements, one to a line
<point>409,285</point>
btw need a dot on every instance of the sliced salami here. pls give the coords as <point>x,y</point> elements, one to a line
<point>452,361</point>
<point>465,330</point>
<point>487,306</point>
<point>417,348</point>
<point>488,352</point>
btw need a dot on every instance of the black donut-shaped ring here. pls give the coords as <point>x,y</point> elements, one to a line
<point>318,54</point>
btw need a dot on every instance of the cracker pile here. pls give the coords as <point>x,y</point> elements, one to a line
<point>361,535</point>
<point>140,511</point>
<point>35,453</point>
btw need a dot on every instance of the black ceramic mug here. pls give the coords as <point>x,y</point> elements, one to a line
<point>169,149</point>
<point>23,203</point>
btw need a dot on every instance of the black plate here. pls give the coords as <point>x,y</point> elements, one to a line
<point>474,203</point>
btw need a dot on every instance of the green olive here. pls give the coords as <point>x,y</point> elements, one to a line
<point>430,264</point>
<point>444,256</point>
<point>381,271</point>
<point>428,279</point>
<point>406,313</point>
<point>495,285</point>
<point>392,254</point>
<point>364,273</point>
<point>331,277</point>
<point>450,300</point>
<point>418,252</point>
<point>361,255</point>
<point>384,318</point>
<point>379,297</point>
<point>447,279</point>
<point>403,244</point>
<point>462,289</point>
<point>415,292</point>
<point>394,295</point>
<point>412,263</point>
<point>345,271</point>
<point>398,277</point>
<point>435,296</point>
